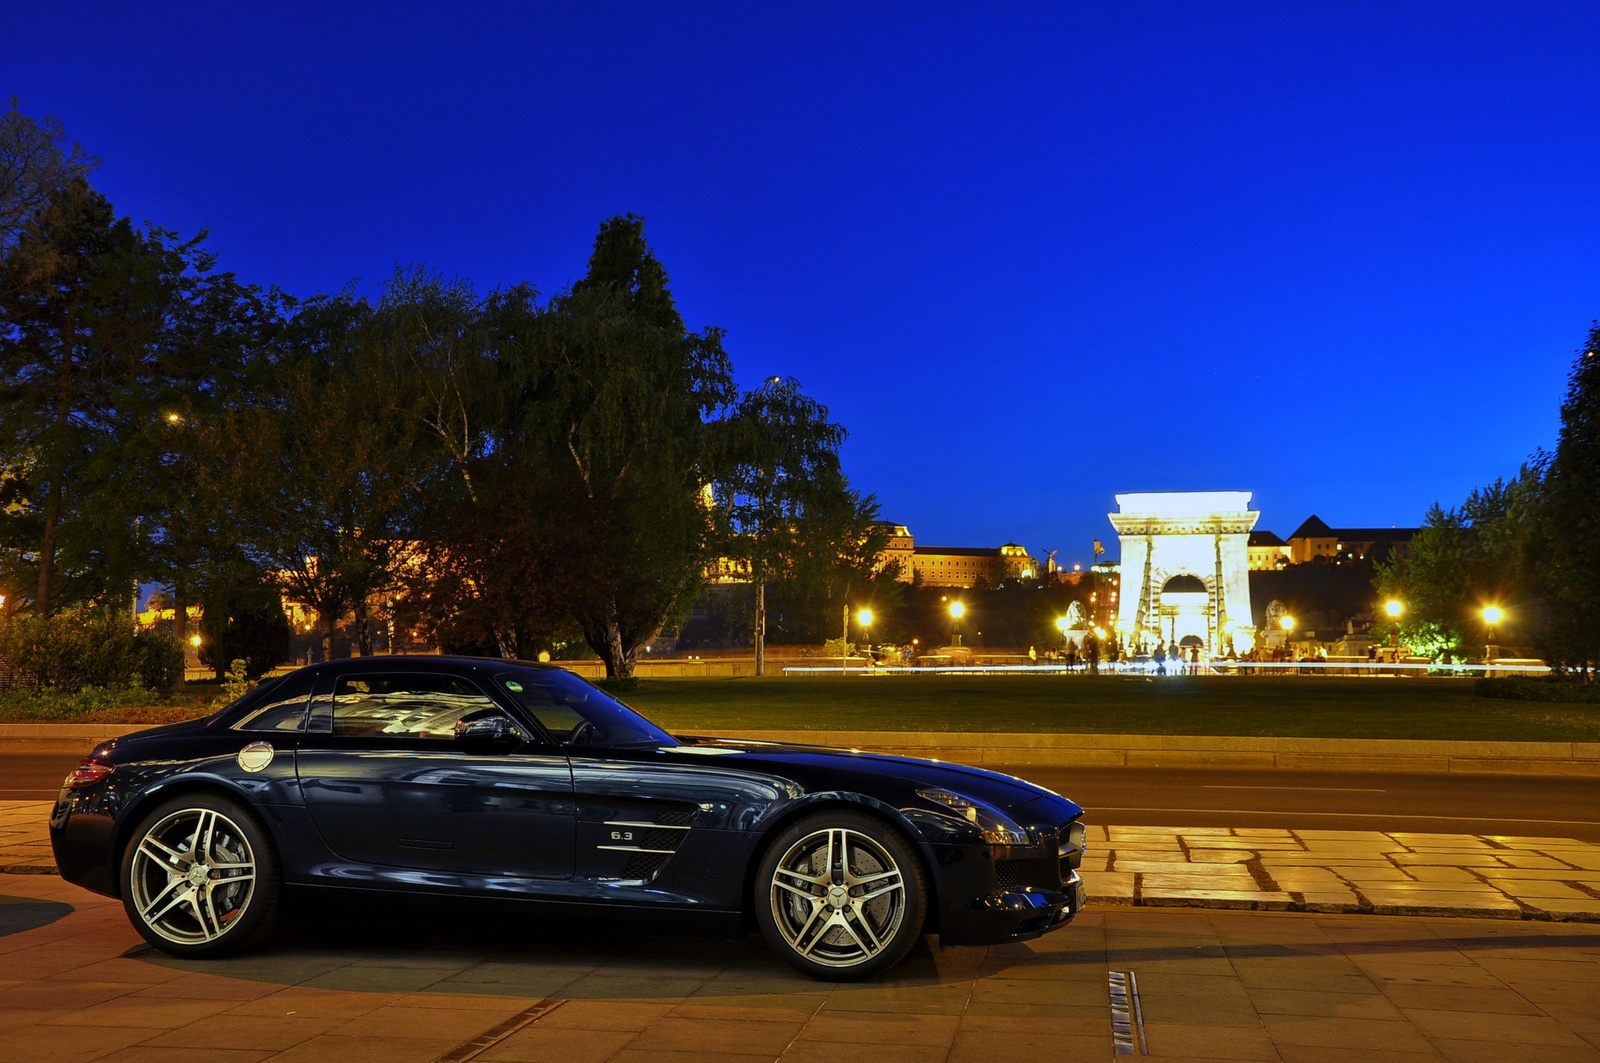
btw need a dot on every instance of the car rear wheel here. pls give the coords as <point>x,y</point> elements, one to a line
<point>841,895</point>
<point>200,877</point>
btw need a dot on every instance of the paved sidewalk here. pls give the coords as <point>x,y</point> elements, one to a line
<point>25,838</point>
<point>1387,873</point>
<point>78,986</point>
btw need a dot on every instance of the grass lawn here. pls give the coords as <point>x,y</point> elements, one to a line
<point>1299,706</point>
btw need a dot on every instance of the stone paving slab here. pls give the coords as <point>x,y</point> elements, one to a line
<point>77,984</point>
<point>1495,876</point>
<point>1398,873</point>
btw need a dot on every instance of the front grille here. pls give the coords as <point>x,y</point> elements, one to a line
<point>1005,873</point>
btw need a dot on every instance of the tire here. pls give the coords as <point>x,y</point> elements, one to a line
<point>200,909</point>
<point>809,892</point>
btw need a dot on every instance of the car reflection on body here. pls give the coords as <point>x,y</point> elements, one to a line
<point>487,779</point>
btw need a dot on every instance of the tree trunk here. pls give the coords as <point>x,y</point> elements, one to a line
<point>363,629</point>
<point>47,549</point>
<point>180,625</point>
<point>761,624</point>
<point>327,620</point>
<point>619,664</point>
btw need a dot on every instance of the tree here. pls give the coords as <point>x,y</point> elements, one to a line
<point>83,298</point>
<point>835,567</point>
<point>778,457</point>
<point>34,169</point>
<point>618,391</point>
<point>497,570</point>
<point>327,472</point>
<point>1570,522</point>
<point>243,622</point>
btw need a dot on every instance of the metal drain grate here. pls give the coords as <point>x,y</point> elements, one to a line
<point>1127,1016</point>
<point>495,1034</point>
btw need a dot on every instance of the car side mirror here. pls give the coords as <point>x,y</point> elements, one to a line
<point>488,729</point>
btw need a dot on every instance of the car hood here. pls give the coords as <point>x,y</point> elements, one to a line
<point>991,787</point>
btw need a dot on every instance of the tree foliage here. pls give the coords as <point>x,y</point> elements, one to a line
<point>1526,546</point>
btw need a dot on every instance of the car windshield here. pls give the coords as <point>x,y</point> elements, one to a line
<point>577,713</point>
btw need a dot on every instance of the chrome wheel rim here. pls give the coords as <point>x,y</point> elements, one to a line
<point>838,897</point>
<point>194,875</point>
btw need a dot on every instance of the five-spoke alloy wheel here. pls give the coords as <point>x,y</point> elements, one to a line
<point>841,895</point>
<point>200,878</point>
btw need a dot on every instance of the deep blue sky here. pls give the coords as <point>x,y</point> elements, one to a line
<point>1336,253</point>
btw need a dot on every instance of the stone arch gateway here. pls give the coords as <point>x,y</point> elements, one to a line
<point>1185,568</point>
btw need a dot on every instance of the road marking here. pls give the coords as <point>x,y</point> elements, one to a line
<point>495,1034</point>
<point>1127,1018</point>
<point>1335,789</point>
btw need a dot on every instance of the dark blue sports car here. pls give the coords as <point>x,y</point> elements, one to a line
<point>485,779</point>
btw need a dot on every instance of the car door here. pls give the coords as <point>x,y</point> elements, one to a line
<point>388,784</point>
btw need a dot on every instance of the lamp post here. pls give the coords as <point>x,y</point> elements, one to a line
<point>864,618</point>
<point>1394,607</point>
<point>957,611</point>
<point>1492,616</point>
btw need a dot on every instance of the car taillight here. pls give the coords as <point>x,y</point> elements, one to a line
<point>89,772</point>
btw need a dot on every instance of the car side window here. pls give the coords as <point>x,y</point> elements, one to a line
<point>284,707</point>
<point>405,705</point>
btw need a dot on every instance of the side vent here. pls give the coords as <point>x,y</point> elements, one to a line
<point>652,842</point>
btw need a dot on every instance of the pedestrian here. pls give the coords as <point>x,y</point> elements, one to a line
<point>1160,657</point>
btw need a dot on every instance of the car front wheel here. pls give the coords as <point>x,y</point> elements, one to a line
<point>200,877</point>
<point>841,895</point>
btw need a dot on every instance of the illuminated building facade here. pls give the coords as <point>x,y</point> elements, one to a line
<point>1185,569</point>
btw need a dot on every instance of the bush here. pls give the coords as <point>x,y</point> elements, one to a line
<point>1528,688</point>
<point>89,648</point>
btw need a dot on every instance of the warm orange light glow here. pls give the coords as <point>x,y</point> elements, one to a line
<point>1287,623</point>
<point>958,610</point>
<point>864,618</point>
<point>1393,608</point>
<point>1061,623</point>
<point>1492,614</point>
<point>194,640</point>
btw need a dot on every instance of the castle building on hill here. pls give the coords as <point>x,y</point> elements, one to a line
<point>956,566</point>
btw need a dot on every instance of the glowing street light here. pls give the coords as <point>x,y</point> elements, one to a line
<point>1394,608</point>
<point>1287,623</point>
<point>864,618</point>
<point>174,418</point>
<point>1492,615</point>
<point>194,640</point>
<point>1061,624</point>
<point>958,610</point>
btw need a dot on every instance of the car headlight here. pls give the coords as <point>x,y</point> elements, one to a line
<point>995,828</point>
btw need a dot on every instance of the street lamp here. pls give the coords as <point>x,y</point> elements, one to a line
<point>1492,615</point>
<point>1287,623</point>
<point>957,611</point>
<point>1394,608</point>
<point>864,618</point>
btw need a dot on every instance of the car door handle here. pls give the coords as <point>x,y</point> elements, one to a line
<point>425,843</point>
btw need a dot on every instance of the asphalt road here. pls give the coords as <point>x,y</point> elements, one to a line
<point>1443,804</point>
<point>1536,806</point>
